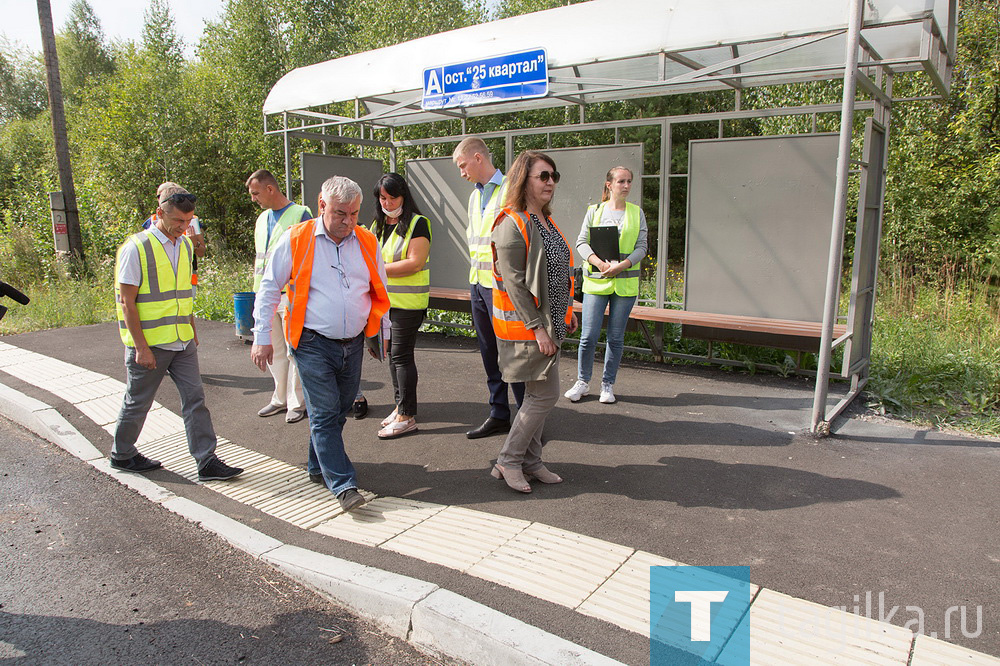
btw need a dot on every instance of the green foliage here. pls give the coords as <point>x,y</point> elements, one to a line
<point>84,55</point>
<point>936,357</point>
<point>23,93</point>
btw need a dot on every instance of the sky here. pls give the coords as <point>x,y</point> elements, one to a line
<point>121,19</point>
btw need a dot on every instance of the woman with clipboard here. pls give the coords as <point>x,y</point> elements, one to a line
<point>613,243</point>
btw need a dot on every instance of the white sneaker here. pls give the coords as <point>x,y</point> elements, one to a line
<point>580,389</point>
<point>607,395</point>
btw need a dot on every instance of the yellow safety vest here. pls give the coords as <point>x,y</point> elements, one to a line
<point>164,310</point>
<point>291,216</point>
<point>478,233</point>
<point>625,283</point>
<point>413,291</point>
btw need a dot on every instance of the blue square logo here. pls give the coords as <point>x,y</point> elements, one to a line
<point>694,613</point>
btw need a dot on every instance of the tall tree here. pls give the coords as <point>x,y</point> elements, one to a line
<point>83,52</point>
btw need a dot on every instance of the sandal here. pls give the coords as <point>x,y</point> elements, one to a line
<point>544,475</point>
<point>389,419</point>
<point>398,429</point>
<point>514,477</point>
<point>361,408</point>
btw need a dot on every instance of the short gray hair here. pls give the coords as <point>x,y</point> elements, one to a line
<point>339,188</point>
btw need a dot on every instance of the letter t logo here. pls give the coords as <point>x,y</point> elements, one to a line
<point>701,610</point>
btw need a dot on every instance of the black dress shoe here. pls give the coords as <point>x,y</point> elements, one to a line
<point>491,426</point>
<point>361,408</point>
<point>317,478</point>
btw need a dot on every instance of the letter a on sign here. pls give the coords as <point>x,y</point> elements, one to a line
<point>433,83</point>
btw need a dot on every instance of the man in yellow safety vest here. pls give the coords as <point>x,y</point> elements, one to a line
<point>475,163</point>
<point>154,305</point>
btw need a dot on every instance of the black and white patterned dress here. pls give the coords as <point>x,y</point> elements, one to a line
<point>557,256</point>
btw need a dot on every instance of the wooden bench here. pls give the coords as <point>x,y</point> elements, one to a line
<point>778,333</point>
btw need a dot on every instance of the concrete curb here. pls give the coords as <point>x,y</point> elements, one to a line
<point>434,620</point>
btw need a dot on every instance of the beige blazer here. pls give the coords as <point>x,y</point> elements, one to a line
<point>525,279</point>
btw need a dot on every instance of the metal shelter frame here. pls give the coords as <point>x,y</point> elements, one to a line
<point>856,30</point>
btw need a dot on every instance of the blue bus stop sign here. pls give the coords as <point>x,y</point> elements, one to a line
<point>512,76</point>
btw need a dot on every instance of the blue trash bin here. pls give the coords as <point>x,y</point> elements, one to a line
<point>243,311</point>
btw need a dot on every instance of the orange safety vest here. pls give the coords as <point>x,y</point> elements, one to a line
<point>507,323</point>
<point>303,243</point>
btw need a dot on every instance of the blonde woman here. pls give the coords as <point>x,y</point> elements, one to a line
<point>611,284</point>
<point>532,311</point>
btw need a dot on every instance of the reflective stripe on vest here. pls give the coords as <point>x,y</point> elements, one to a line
<point>291,216</point>
<point>478,233</point>
<point>303,246</point>
<point>625,283</point>
<point>164,310</point>
<point>507,324</point>
<point>413,291</point>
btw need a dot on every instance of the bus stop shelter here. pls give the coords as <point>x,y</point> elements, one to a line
<point>765,215</point>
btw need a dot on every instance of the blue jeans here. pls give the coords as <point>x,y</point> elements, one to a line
<point>330,373</point>
<point>590,332</point>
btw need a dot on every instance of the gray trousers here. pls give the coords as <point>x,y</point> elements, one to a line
<point>140,389</point>
<point>523,447</point>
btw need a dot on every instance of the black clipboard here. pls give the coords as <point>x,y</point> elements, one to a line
<point>604,242</point>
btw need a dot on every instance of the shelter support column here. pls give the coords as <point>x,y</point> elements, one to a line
<point>819,424</point>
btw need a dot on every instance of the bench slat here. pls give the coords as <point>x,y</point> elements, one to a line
<point>706,319</point>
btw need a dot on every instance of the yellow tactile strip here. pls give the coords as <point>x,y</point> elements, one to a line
<point>457,538</point>
<point>552,564</point>
<point>623,599</point>
<point>379,520</point>
<point>595,577</point>
<point>786,630</point>
<point>929,651</point>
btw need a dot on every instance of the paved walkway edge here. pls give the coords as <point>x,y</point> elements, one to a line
<point>432,619</point>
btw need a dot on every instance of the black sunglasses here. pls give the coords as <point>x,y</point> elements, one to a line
<point>179,197</point>
<point>545,175</point>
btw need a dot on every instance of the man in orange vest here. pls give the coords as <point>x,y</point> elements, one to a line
<point>336,299</point>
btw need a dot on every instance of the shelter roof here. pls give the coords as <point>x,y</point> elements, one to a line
<point>607,50</point>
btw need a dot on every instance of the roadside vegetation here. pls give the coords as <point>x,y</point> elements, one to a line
<point>936,351</point>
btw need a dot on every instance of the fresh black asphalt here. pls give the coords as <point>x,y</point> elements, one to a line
<point>701,465</point>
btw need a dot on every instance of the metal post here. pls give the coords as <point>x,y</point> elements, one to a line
<point>819,425</point>
<point>288,164</point>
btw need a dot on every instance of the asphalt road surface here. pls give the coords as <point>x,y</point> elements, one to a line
<point>93,573</point>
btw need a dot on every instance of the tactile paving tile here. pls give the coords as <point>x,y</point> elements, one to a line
<point>160,423</point>
<point>17,356</point>
<point>77,393</point>
<point>102,411</point>
<point>263,478</point>
<point>456,537</point>
<point>929,651</point>
<point>623,599</point>
<point>306,508</point>
<point>552,564</point>
<point>379,520</point>
<point>79,379</point>
<point>42,370</point>
<point>785,630</point>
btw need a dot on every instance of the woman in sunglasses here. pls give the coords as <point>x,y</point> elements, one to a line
<point>610,282</point>
<point>532,311</point>
<point>405,237</point>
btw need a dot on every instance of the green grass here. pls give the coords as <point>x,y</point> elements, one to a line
<point>59,301</point>
<point>935,359</point>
